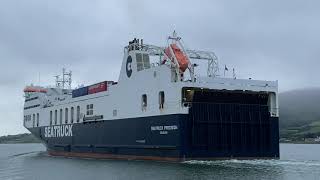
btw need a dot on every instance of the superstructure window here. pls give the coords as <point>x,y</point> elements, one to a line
<point>50,118</point>
<point>78,113</point>
<point>90,109</point>
<point>143,61</point>
<point>139,62</point>
<point>72,114</point>
<point>28,117</point>
<point>60,116</point>
<point>38,119</point>
<point>55,117</point>
<point>161,99</point>
<point>66,115</point>
<point>144,102</point>
<point>33,106</point>
<point>146,61</point>
<point>33,119</point>
<point>114,112</point>
<point>30,99</point>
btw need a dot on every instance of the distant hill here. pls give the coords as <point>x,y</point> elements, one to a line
<point>299,133</point>
<point>19,138</point>
<point>300,113</point>
<point>299,107</point>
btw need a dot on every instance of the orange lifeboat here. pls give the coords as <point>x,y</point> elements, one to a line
<point>34,89</point>
<point>181,57</point>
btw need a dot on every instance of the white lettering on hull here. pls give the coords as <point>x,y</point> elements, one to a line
<point>58,131</point>
<point>164,129</point>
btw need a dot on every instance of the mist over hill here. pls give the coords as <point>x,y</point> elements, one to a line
<point>299,107</point>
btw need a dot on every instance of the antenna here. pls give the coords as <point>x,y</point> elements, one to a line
<point>66,79</point>
<point>39,79</point>
<point>57,81</point>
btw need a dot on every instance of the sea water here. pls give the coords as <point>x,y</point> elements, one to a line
<point>30,161</point>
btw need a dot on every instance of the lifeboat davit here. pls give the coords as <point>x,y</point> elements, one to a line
<point>181,57</point>
<point>34,89</point>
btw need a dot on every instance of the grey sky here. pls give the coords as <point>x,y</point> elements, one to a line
<point>274,40</point>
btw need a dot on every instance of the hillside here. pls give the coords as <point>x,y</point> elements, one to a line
<point>300,113</point>
<point>299,107</point>
<point>19,138</point>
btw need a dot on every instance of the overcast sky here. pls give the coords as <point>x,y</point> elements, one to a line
<point>271,40</point>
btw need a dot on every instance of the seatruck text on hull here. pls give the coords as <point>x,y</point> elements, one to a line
<point>58,131</point>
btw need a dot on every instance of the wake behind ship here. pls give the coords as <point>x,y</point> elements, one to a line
<point>160,109</point>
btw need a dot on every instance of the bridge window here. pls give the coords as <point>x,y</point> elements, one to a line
<point>146,61</point>
<point>55,117</point>
<point>139,62</point>
<point>66,115</point>
<point>161,99</point>
<point>78,113</point>
<point>72,114</point>
<point>143,61</point>
<point>144,102</point>
<point>50,118</point>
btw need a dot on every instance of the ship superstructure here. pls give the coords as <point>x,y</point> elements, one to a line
<point>159,109</point>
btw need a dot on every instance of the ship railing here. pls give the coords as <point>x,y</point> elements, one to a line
<point>274,112</point>
<point>239,83</point>
<point>166,105</point>
<point>223,103</point>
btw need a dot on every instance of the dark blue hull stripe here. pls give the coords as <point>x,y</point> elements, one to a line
<point>178,137</point>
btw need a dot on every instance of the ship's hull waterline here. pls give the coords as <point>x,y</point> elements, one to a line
<point>237,131</point>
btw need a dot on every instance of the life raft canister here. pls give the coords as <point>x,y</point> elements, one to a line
<point>181,57</point>
<point>34,89</point>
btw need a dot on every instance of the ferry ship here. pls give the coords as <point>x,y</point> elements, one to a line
<point>161,108</point>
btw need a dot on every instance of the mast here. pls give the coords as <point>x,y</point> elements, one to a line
<point>65,81</point>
